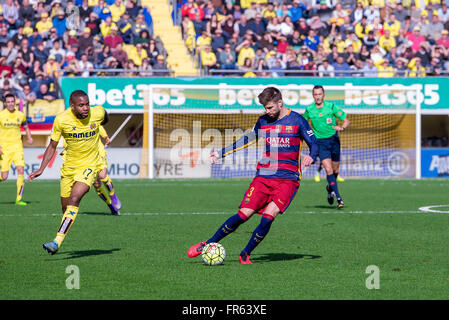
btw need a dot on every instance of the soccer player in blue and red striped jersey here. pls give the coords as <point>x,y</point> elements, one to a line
<point>278,172</point>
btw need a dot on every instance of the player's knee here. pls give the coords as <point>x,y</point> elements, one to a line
<point>247,212</point>
<point>97,184</point>
<point>20,170</point>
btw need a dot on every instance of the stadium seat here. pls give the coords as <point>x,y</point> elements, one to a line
<point>178,58</point>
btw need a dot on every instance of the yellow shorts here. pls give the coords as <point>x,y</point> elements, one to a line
<point>69,176</point>
<point>12,155</point>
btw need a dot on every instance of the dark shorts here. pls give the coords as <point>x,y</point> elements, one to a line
<point>329,148</point>
<point>262,191</point>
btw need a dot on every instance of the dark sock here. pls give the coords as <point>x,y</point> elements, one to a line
<point>332,181</point>
<point>259,234</point>
<point>228,227</point>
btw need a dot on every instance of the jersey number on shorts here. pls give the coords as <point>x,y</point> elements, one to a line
<point>86,173</point>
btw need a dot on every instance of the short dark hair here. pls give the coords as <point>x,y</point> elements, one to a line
<point>77,94</point>
<point>269,94</point>
<point>8,95</point>
<point>318,87</point>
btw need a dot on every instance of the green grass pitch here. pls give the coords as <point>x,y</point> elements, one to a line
<point>313,251</point>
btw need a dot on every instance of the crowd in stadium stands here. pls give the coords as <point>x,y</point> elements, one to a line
<point>369,38</point>
<point>43,39</point>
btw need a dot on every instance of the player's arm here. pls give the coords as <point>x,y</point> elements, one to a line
<point>341,115</point>
<point>105,119</point>
<point>28,132</point>
<point>243,142</point>
<point>308,136</point>
<point>104,135</point>
<point>50,151</point>
<point>48,155</point>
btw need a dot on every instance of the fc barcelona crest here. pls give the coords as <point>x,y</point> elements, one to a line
<point>289,129</point>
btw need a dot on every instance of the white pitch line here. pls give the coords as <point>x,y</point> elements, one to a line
<point>339,212</point>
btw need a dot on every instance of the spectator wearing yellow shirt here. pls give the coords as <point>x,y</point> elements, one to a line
<point>416,69</point>
<point>105,27</point>
<point>203,41</point>
<point>384,69</point>
<point>137,54</point>
<point>245,51</point>
<point>117,10</point>
<point>362,28</point>
<point>393,25</point>
<point>387,41</point>
<point>268,12</point>
<point>352,40</point>
<point>246,4</point>
<point>208,58</point>
<point>44,25</point>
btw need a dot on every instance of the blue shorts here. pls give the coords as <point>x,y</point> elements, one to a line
<point>329,148</point>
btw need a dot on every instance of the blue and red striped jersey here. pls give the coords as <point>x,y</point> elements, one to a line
<point>281,158</point>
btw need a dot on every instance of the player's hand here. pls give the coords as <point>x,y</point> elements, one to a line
<point>107,141</point>
<point>34,175</point>
<point>337,128</point>
<point>30,140</point>
<point>213,157</point>
<point>306,161</point>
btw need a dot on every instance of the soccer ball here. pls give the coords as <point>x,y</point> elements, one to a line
<point>213,254</point>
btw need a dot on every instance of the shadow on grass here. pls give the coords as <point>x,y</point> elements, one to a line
<point>104,213</point>
<point>84,253</point>
<point>13,202</point>
<point>283,257</point>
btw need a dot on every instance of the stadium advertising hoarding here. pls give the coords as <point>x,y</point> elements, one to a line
<point>435,163</point>
<point>127,94</point>
<point>122,167</point>
<point>381,163</point>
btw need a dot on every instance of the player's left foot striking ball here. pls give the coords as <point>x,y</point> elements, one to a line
<point>51,247</point>
<point>340,203</point>
<point>244,259</point>
<point>317,177</point>
<point>21,203</point>
<point>330,195</point>
<point>196,249</point>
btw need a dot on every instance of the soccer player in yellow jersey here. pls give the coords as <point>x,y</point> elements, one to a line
<point>80,126</point>
<point>109,197</point>
<point>11,148</point>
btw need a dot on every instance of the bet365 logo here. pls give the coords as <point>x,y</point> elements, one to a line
<point>73,18</point>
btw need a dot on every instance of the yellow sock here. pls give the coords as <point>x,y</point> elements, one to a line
<point>67,221</point>
<point>20,185</point>
<point>108,183</point>
<point>103,194</point>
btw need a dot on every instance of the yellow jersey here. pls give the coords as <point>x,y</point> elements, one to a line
<point>81,135</point>
<point>10,123</point>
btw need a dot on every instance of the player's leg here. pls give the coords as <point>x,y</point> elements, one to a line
<point>79,189</point>
<point>103,175</point>
<point>317,173</point>
<point>229,226</point>
<point>331,187</point>
<point>259,232</point>
<point>103,194</point>
<point>335,157</point>
<point>4,176</point>
<point>253,199</point>
<point>20,186</point>
<point>336,170</point>
<point>282,194</point>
